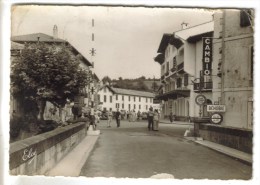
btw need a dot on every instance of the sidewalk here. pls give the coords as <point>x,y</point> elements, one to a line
<point>246,157</point>
<point>72,163</point>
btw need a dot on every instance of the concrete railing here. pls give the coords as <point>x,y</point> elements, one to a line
<point>38,154</point>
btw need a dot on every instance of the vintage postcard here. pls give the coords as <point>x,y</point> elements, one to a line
<point>137,92</point>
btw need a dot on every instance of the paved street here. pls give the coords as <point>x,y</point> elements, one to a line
<point>133,151</point>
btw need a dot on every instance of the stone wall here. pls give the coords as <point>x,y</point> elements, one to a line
<point>240,139</point>
<point>38,154</point>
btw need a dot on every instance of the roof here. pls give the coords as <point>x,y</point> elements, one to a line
<point>164,42</point>
<point>176,42</point>
<point>133,92</point>
<point>196,38</point>
<point>195,30</point>
<point>45,38</point>
<point>159,58</point>
<point>34,38</point>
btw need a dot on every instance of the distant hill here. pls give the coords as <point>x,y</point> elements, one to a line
<point>138,84</point>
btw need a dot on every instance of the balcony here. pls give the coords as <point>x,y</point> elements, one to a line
<point>206,87</point>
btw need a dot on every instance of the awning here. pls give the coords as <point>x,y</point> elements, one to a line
<point>174,94</point>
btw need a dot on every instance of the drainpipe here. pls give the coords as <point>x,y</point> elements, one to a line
<point>223,58</point>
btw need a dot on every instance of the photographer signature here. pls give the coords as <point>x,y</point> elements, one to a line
<point>29,154</point>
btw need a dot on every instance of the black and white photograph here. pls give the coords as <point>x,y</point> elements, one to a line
<point>136,92</point>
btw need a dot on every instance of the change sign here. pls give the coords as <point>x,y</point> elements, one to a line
<point>207,56</point>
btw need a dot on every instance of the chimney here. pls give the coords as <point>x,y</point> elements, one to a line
<point>184,25</point>
<point>55,32</point>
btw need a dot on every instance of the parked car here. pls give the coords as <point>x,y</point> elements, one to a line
<point>144,115</point>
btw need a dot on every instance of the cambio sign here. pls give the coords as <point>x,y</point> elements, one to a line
<point>207,56</point>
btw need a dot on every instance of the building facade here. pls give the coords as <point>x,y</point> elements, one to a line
<point>111,98</point>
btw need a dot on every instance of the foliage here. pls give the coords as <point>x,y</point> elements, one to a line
<point>46,73</point>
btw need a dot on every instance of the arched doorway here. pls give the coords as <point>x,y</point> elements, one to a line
<point>205,113</point>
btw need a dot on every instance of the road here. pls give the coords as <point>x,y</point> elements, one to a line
<point>133,151</point>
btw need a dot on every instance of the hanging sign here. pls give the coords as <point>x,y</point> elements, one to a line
<point>207,56</point>
<point>216,118</point>
<point>216,108</point>
<point>200,99</point>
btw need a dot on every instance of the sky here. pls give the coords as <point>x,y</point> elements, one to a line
<point>126,38</point>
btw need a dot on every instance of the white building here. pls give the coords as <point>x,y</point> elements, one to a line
<point>125,99</point>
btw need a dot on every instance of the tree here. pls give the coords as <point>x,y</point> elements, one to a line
<point>106,79</point>
<point>46,73</point>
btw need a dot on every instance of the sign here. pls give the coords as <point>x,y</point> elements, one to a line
<point>207,56</point>
<point>216,108</point>
<point>216,118</point>
<point>200,99</point>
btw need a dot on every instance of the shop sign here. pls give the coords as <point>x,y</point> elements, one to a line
<point>207,56</point>
<point>216,108</point>
<point>200,99</point>
<point>216,118</point>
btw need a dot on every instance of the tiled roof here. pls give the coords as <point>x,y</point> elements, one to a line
<point>133,92</point>
<point>34,38</point>
<point>45,38</point>
<point>164,42</point>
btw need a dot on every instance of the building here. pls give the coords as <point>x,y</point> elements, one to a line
<point>177,55</point>
<point>213,60</point>
<point>17,44</point>
<point>232,77</point>
<point>111,98</point>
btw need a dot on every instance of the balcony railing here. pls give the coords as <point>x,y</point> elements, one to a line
<point>173,69</point>
<point>206,86</point>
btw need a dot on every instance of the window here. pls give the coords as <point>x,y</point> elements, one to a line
<point>179,82</point>
<point>129,106</point>
<point>105,98</point>
<point>151,100</point>
<point>122,97</point>
<point>186,78</point>
<point>146,107</point>
<point>146,100</point>
<point>139,107</point>
<point>129,98</point>
<point>117,105</point>
<point>123,106</point>
<point>98,96</point>
<point>251,60</point>
<point>139,99</point>
<point>134,106</point>
<point>110,99</point>
<point>105,89</point>
<point>116,97</point>
<point>134,98</point>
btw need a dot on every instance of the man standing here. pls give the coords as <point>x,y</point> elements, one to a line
<point>109,118</point>
<point>150,118</point>
<point>118,117</point>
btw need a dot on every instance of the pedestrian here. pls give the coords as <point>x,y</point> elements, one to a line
<point>150,118</point>
<point>171,117</point>
<point>134,116</point>
<point>156,118</point>
<point>118,117</point>
<point>109,118</point>
<point>138,115</point>
<point>130,116</point>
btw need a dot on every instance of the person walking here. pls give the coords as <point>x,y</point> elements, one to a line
<point>118,117</point>
<point>156,118</point>
<point>150,115</point>
<point>109,118</point>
